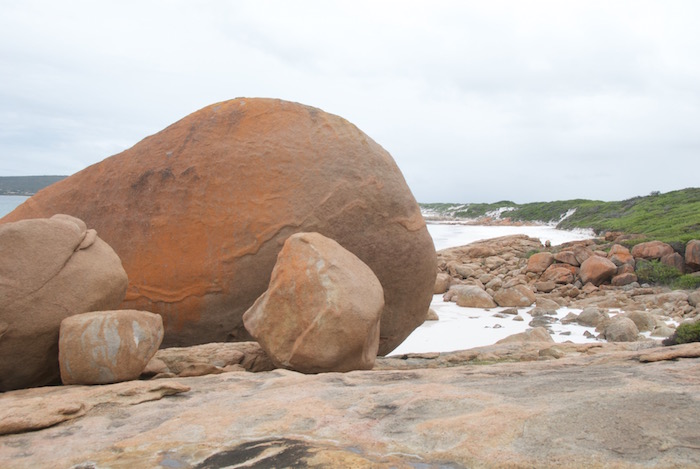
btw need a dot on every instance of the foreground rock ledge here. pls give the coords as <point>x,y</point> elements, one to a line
<point>609,405</point>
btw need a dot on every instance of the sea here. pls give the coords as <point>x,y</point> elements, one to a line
<point>9,202</point>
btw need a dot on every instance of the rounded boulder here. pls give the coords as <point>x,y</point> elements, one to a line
<point>105,347</point>
<point>597,270</point>
<point>321,310</point>
<point>199,211</point>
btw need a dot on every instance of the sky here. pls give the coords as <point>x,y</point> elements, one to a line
<point>477,101</point>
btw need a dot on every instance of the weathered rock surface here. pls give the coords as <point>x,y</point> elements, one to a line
<point>518,295</point>
<point>209,358</point>
<point>620,255</point>
<point>567,257</point>
<point>321,310</point>
<point>432,315</point>
<point>597,270</point>
<point>591,317</point>
<point>471,296</point>
<point>49,269</point>
<point>539,262</point>
<point>537,334</point>
<point>621,329</point>
<point>651,250</point>
<point>674,260</point>
<point>557,273</point>
<point>621,280</point>
<point>692,254</point>
<point>107,346</point>
<point>432,413</point>
<point>442,283</point>
<point>198,212</point>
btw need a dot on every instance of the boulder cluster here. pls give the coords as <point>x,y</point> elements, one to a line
<point>249,219</point>
<point>593,275</point>
<point>50,269</point>
<point>198,212</point>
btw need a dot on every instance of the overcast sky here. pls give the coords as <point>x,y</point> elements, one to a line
<point>477,101</point>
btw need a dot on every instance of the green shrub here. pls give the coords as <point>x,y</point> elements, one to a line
<point>686,282</point>
<point>685,333</point>
<point>656,272</point>
<point>531,253</point>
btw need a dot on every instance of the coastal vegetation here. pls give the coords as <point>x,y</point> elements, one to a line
<point>669,217</point>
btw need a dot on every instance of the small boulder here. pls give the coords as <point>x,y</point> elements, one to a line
<point>442,283</point>
<point>432,315</point>
<point>621,329</point>
<point>557,273</point>
<point>518,295</point>
<point>107,346</point>
<point>582,253</point>
<point>471,296</point>
<point>620,255</point>
<point>694,298</point>
<point>662,330</point>
<point>537,334</point>
<point>597,270</point>
<point>651,250</point>
<point>567,257</point>
<point>464,271</point>
<point>321,310</point>
<point>545,286</point>
<point>692,254</point>
<point>569,318</point>
<point>591,317</point>
<point>674,260</point>
<point>623,279</point>
<point>539,262</point>
<point>626,269</point>
<point>644,320</point>
<point>546,303</point>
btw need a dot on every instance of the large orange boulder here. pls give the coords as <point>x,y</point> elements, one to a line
<point>198,212</point>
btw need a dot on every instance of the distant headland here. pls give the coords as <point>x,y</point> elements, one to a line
<point>26,185</point>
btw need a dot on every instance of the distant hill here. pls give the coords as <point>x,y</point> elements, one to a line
<point>26,185</point>
<point>669,217</point>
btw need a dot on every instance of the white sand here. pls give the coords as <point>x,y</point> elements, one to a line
<point>463,328</point>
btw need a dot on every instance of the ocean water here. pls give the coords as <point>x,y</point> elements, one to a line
<point>9,202</point>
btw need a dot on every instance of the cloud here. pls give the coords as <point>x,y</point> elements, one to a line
<point>476,101</point>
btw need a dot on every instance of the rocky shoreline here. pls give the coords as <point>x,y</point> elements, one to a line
<point>597,276</point>
<point>524,402</point>
<point>308,241</point>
